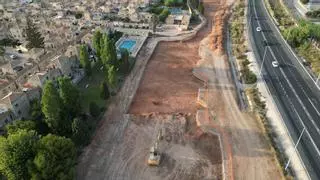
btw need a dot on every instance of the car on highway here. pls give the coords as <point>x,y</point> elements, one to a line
<point>12,56</point>
<point>258,29</point>
<point>275,63</point>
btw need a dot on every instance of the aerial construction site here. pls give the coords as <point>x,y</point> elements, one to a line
<point>177,117</point>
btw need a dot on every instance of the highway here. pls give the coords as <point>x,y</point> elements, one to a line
<point>294,92</point>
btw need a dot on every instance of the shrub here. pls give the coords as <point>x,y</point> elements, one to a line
<point>78,15</point>
<point>164,14</point>
<point>94,109</point>
<point>248,76</point>
<point>304,1</point>
<point>313,14</point>
<point>173,2</point>
<point>201,8</point>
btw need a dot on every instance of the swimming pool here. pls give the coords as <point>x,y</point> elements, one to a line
<point>175,11</point>
<point>127,44</point>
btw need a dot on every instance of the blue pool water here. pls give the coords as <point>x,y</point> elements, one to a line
<point>175,11</point>
<point>127,44</point>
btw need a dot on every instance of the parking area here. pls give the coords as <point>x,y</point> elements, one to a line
<point>18,59</point>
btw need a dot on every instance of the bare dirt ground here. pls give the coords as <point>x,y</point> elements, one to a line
<point>186,154</point>
<point>168,84</point>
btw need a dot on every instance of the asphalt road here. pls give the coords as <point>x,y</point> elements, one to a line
<point>296,95</point>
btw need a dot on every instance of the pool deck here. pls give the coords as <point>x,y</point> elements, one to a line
<point>136,48</point>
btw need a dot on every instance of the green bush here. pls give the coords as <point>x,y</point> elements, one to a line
<point>78,15</point>
<point>94,109</point>
<point>173,2</point>
<point>304,1</point>
<point>313,14</point>
<point>248,76</point>
<point>164,14</point>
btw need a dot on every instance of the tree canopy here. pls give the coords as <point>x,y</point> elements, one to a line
<point>51,106</point>
<point>112,77</point>
<point>18,125</point>
<point>97,43</point>
<point>34,38</point>
<point>80,130</point>
<point>55,159</point>
<point>84,59</point>
<point>124,61</point>
<point>104,91</point>
<point>70,96</point>
<point>16,152</point>
<point>2,50</point>
<point>108,52</point>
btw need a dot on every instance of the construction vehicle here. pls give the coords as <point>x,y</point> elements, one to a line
<point>154,154</point>
<point>154,157</point>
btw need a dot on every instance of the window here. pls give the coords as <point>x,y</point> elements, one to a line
<point>16,105</point>
<point>19,112</point>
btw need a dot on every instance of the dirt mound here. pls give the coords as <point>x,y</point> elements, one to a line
<point>217,33</point>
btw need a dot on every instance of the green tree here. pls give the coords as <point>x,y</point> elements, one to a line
<point>18,125</point>
<point>201,8</point>
<point>70,96</point>
<point>34,38</point>
<point>94,109</point>
<point>104,91</point>
<point>173,2</point>
<point>108,52</point>
<point>97,43</point>
<point>37,117</point>
<point>16,151</point>
<point>112,77</point>
<point>2,50</point>
<point>80,131</point>
<point>55,159</point>
<point>35,110</point>
<point>78,15</point>
<point>51,106</point>
<point>125,65</point>
<point>84,59</point>
<point>164,14</point>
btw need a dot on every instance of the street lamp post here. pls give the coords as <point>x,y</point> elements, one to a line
<point>295,148</point>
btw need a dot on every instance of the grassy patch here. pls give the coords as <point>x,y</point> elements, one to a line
<point>92,93</point>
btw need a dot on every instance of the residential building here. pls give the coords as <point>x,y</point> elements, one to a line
<point>39,79</point>
<point>6,117</point>
<point>17,103</point>
<point>66,65</point>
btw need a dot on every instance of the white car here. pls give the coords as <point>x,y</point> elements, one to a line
<point>258,29</point>
<point>12,56</point>
<point>275,63</point>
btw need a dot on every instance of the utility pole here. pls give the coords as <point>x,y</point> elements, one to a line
<point>295,148</point>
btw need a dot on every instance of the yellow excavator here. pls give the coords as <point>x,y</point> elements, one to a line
<point>154,154</point>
